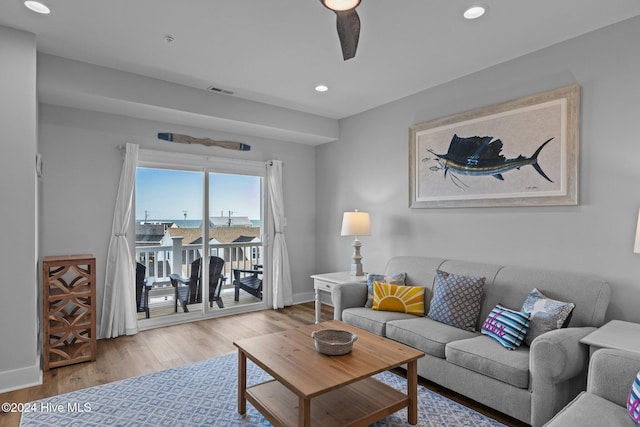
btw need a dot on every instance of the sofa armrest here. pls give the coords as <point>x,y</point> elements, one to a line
<point>347,295</point>
<point>611,373</point>
<point>558,355</point>
<point>558,369</point>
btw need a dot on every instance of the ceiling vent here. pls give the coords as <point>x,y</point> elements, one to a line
<point>218,90</point>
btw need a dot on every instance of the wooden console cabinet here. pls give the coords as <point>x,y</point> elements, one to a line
<point>69,312</point>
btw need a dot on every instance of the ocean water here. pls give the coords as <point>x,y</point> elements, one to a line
<point>192,223</point>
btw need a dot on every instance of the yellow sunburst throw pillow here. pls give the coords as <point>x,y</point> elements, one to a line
<point>405,299</point>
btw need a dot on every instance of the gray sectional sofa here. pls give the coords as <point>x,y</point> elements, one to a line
<point>530,384</point>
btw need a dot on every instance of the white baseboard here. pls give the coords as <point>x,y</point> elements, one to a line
<point>20,378</point>
<point>303,297</point>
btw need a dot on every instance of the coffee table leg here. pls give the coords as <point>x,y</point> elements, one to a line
<point>304,412</point>
<point>242,383</point>
<point>412,391</point>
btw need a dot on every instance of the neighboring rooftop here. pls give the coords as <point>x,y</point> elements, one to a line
<point>149,232</point>
<point>220,234</point>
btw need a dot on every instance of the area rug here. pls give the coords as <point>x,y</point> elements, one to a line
<point>205,394</point>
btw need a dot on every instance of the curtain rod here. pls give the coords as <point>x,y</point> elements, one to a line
<point>121,147</point>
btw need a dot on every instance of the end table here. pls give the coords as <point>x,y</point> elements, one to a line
<point>616,334</point>
<point>326,282</point>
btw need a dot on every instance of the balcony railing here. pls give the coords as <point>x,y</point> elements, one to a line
<point>161,261</point>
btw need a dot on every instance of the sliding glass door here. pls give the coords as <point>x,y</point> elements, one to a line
<point>235,236</point>
<point>199,241</point>
<point>169,238</point>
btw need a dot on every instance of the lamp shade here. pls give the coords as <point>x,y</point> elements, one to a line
<point>355,224</point>
<point>340,5</point>
<point>636,247</point>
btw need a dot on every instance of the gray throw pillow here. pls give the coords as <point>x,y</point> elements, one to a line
<point>456,300</point>
<point>546,314</point>
<point>392,279</point>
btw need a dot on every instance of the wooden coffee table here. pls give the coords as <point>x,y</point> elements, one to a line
<point>312,389</point>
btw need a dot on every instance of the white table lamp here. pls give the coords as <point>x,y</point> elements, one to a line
<point>356,224</point>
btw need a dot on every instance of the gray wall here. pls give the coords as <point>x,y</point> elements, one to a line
<point>19,303</point>
<point>82,168</point>
<point>368,169</point>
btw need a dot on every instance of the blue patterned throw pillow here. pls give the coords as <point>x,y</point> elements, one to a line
<point>633,401</point>
<point>546,314</point>
<point>392,279</point>
<point>506,326</point>
<point>456,300</point>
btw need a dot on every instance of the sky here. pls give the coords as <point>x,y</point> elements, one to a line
<point>167,194</point>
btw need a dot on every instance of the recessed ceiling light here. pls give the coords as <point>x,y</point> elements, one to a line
<point>474,12</point>
<point>38,7</point>
<point>322,88</point>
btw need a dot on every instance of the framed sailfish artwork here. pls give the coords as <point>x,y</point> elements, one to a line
<point>519,153</point>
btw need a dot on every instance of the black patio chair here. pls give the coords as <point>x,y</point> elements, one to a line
<point>251,283</point>
<point>142,300</point>
<point>194,282</point>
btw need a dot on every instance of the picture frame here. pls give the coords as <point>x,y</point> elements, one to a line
<point>522,152</point>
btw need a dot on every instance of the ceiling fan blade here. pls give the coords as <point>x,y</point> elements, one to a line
<point>348,23</point>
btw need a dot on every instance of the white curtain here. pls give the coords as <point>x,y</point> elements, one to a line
<point>119,299</point>
<point>281,274</point>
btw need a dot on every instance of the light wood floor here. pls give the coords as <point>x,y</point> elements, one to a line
<point>168,347</point>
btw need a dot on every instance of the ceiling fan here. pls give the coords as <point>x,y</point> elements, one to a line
<point>348,23</point>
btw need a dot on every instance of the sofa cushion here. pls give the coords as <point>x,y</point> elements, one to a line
<point>546,314</point>
<point>456,300</point>
<point>405,299</point>
<point>591,410</point>
<point>425,334</point>
<point>486,356</point>
<point>506,326</point>
<point>395,279</point>
<point>371,320</point>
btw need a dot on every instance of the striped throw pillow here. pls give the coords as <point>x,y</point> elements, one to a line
<point>506,326</point>
<point>633,401</point>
